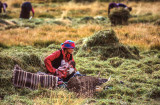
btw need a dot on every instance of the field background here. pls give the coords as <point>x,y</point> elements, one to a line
<point>28,42</point>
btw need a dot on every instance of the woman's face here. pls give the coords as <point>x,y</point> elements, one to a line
<point>70,50</point>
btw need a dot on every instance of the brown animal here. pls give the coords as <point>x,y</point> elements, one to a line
<point>85,85</point>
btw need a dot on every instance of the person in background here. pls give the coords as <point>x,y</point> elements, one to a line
<point>25,10</point>
<point>116,5</point>
<point>3,6</point>
<point>61,62</point>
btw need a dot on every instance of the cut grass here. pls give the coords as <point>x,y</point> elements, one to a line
<point>126,84</point>
<point>132,81</point>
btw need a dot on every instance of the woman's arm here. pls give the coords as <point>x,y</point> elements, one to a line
<point>48,61</point>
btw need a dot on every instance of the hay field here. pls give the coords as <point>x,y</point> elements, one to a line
<point>139,34</point>
<point>133,81</point>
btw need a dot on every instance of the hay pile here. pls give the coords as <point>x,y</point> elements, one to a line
<point>119,16</point>
<point>26,61</point>
<point>86,19</point>
<point>91,20</point>
<point>104,44</point>
<point>29,62</point>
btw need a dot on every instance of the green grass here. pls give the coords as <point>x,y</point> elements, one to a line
<point>132,81</point>
<point>46,16</point>
<point>144,18</point>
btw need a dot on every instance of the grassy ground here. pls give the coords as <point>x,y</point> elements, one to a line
<point>67,23</point>
<point>28,42</point>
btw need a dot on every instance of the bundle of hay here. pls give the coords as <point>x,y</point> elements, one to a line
<point>101,38</point>
<point>105,44</point>
<point>119,16</point>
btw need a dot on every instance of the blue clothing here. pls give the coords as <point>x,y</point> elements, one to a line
<point>115,5</point>
<point>112,5</point>
<point>121,5</point>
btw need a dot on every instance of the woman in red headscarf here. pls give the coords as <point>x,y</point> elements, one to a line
<point>60,61</point>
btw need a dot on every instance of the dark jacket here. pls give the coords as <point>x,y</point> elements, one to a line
<point>25,10</point>
<point>1,6</point>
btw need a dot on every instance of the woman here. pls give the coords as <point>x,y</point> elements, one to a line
<point>25,10</point>
<point>3,6</point>
<point>60,62</point>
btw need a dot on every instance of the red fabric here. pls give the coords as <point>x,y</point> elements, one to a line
<point>49,59</point>
<point>68,44</point>
<point>53,56</point>
<point>62,74</point>
<point>33,11</point>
